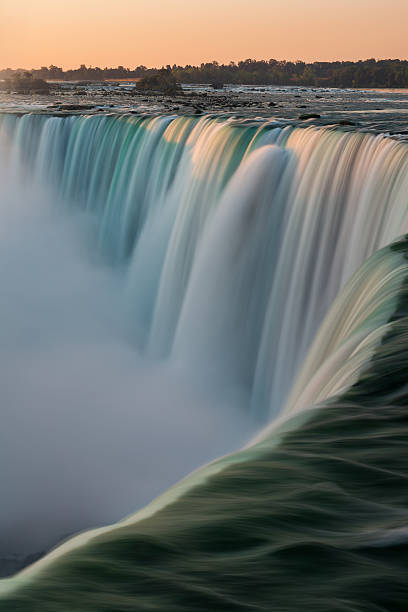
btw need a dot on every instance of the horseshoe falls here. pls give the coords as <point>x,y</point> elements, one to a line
<point>182,291</point>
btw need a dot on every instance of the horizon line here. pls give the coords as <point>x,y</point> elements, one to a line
<point>91,66</point>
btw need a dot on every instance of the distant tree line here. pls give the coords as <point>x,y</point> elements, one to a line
<point>364,73</point>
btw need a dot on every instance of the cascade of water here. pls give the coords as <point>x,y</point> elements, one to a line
<point>325,239</point>
<point>232,249</point>
<point>221,320</point>
<point>235,240</point>
<point>365,313</point>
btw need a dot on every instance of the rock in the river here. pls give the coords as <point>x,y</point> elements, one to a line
<point>76,107</point>
<point>309,116</point>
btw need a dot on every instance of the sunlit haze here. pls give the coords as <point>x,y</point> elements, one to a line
<point>134,32</point>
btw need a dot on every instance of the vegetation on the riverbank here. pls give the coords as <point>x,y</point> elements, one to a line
<point>161,81</point>
<point>24,83</point>
<point>367,73</point>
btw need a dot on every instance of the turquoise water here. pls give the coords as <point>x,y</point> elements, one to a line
<point>265,258</point>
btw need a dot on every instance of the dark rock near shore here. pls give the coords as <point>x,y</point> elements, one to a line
<point>75,107</point>
<point>309,116</point>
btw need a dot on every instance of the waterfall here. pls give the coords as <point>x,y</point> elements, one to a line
<point>263,257</point>
<point>321,493</point>
<point>235,235</point>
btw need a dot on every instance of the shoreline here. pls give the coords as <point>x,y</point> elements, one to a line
<point>375,111</point>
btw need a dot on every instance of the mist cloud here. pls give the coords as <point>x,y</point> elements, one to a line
<point>90,430</point>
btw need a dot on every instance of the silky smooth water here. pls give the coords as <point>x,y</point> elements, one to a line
<point>246,257</point>
<point>250,226</point>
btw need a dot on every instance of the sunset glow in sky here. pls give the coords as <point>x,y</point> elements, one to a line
<point>67,33</point>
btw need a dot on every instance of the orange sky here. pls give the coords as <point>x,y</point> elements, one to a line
<point>155,32</point>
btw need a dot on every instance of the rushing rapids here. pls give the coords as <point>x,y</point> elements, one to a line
<point>262,256</point>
